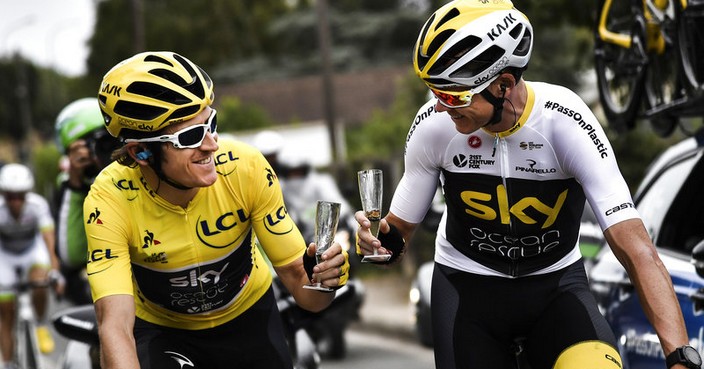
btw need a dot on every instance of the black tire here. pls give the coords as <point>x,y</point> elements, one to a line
<point>621,72</point>
<point>664,124</point>
<point>662,83</point>
<point>691,46</point>
<point>332,344</point>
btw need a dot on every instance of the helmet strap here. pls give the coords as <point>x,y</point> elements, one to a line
<point>171,182</point>
<point>163,177</point>
<point>497,103</point>
<point>155,164</point>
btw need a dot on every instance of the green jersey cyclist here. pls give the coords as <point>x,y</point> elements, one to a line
<point>87,146</point>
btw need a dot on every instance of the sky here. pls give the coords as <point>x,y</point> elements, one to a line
<point>51,33</point>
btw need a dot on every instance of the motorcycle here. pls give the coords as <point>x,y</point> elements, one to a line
<point>304,330</point>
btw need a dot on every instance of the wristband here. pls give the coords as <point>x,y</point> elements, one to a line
<point>308,263</point>
<point>392,241</point>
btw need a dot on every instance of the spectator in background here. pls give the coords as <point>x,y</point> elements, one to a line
<point>270,144</point>
<point>303,185</point>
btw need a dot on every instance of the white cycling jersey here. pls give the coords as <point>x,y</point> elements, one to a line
<point>21,242</point>
<point>513,199</point>
<point>19,235</point>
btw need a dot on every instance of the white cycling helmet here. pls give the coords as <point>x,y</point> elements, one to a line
<point>16,178</point>
<point>470,42</point>
<point>294,158</point>
<point>268,142</point>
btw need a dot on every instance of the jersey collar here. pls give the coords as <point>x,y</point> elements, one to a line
<point>530,101</point>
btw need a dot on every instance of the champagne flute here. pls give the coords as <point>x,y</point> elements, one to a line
<point>327,216</point>
<point>370,190</point>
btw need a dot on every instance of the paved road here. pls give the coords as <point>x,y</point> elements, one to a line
<point>384,336</point>
<point>367,349</point>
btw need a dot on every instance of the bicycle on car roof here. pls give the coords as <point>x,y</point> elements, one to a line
<point>649,60</point>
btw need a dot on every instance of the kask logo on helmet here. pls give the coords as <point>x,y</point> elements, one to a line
<point>111,90</point>
<point>499,28</point>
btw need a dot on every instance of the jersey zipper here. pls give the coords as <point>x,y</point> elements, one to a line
<point>502,146</point>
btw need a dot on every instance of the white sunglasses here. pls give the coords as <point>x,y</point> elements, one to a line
<point>187,138</point>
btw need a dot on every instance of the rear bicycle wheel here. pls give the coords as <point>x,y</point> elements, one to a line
<point>621,71</point>
<point>690,31</point>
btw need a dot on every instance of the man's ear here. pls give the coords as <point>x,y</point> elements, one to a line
<point>143,155</point>
<point>139,153</point>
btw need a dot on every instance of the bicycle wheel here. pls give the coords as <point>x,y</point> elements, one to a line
<point>691,46</point>
<point>662,84</point>
<point>621,71</point>
<point>27,349</point>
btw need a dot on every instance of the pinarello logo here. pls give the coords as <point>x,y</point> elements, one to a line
<point>474,141</point>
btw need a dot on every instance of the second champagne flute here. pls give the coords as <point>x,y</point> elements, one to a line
<point>370,191</point>
<point>327,216</point>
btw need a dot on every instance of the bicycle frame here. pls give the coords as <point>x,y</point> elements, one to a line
<point>648,59</point>
<point>654,12</point>
<point>615,38</point>
<point>26,346</point>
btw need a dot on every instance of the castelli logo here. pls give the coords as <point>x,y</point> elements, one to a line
<point>474,141</point>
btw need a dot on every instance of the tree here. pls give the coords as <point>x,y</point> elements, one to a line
<point>233,115</point>
<point>210,32</point>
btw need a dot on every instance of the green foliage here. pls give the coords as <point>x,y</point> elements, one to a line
<point>46,169</point>
<point>233,115</point>
<point>361,37</point>
<point>45,93</point>
<point>556,13</point>
<point>384,135</point>
<point>209,32</point>
<point>575,54</point>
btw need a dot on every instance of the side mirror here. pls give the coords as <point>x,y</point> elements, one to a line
<point>698,258</point>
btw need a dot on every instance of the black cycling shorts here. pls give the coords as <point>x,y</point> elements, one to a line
<point>253,340</point>
<point>477,319</point>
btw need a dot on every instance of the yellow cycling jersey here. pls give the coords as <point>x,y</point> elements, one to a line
<point>191,268</point>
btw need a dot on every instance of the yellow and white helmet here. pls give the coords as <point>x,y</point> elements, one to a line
<point>469,42</point>
<point>152,90</point>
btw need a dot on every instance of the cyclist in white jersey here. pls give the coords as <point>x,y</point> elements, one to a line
<point>516,161</point>
<point>27,245</point>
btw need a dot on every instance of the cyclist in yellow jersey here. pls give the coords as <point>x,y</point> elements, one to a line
<point>174,273</point>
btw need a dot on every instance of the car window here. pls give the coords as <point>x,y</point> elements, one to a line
<point>672,207</point>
